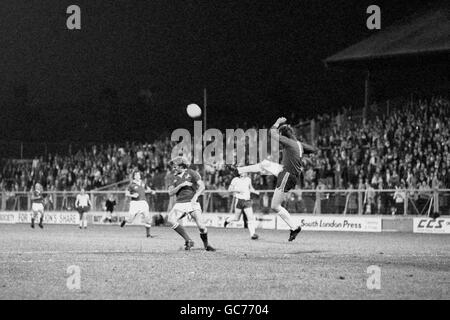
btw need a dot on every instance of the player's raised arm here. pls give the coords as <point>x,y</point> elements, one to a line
<point>276,125</point>
<point>279,122</point>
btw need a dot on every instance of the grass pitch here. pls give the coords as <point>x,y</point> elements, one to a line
<point>120,263</point>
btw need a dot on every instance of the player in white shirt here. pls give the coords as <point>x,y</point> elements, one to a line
<point>83,203</point>
<point>242,188</point>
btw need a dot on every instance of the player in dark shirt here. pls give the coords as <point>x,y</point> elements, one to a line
<point>138,202</point>
<point>288,172</point>
<point>187,185</point>
<point>37,206</point>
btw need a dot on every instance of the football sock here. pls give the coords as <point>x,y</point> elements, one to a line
<point>147,230</point>
<point>284,214</point>
<point>180,230</point>
<point>204,237</point>
<point>251,227</point>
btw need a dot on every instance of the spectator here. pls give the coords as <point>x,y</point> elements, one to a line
<point>351,201</point>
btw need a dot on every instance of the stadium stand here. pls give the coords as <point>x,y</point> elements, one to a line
<point>408,147</point>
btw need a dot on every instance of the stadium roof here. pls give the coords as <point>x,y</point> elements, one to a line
<point>421,37</point>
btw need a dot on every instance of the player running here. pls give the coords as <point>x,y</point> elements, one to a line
<point>287,173</point>
<point>187,186</point>
<point>83,203</point>
<point>138,202</point>
<point>243,188</point>
<point>37,206</point>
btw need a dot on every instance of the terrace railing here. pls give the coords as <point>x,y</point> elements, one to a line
<point>344,202</point>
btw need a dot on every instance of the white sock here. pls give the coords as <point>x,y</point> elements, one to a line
<point>251,227</point>
<point>284,214</point>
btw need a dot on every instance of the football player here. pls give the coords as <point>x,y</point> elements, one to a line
<point>82,204</point>
<point>187,185</point>
<point>242,188</point>
<point>138,202</point>
<point>287,173</point>
<point>109,209</point>
<point>37,206</point>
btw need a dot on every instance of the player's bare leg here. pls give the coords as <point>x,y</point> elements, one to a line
<point>235,218</point>
<point>41,219</point>
<point>33,218</point>
<point>251,223</point>
<point>197,216</point>
<point>128,220</point>
<point>277,200</point>
<point>173,220</point>
<point>107,217</point>
<point>83,220</point>
<point>147,224</point>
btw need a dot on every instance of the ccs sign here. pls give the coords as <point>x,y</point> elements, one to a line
<point>425,225</point>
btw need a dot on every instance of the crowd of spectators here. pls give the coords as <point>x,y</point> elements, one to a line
<point>407,148</point>
<point>91,168</point>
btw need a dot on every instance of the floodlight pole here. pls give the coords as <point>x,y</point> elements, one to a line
<point>205,104</point>
<point>366,96</point>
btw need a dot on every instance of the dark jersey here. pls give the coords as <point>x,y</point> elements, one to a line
<point>139,189</point>
<point>37,197</point>
<point>292,155</point>
<point>110,204</point>
<point>186,194</point>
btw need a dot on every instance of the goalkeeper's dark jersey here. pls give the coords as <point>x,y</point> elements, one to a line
<point>292,155</point>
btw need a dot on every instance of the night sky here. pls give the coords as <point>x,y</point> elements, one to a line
<point>258,60</point>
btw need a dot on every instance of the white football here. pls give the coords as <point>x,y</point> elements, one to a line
<point>193,110</point>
